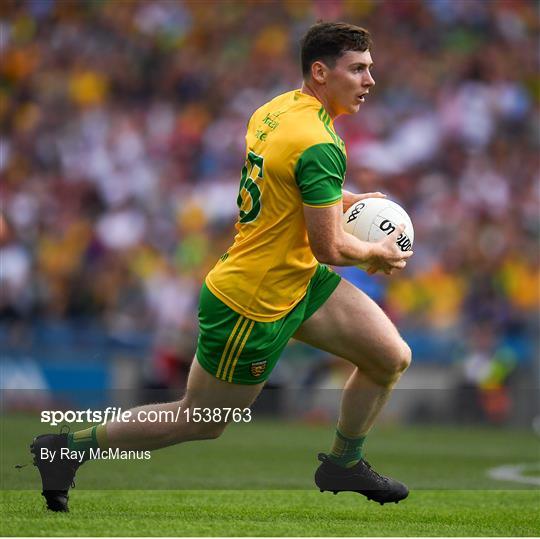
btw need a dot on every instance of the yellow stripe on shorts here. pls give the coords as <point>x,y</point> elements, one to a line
<point>240,318</point>
<point>240,350</point>
<point>234,347</point>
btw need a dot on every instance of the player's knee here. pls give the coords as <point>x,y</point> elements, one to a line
<point>404,358</point>
<point>216,430</point>
<point>395,364</point>
<point>207,431</point>
<point>211,434</point>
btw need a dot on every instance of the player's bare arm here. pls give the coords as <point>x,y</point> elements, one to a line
<point>332,245</point>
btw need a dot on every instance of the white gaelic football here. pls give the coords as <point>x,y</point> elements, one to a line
<point>372,219</point>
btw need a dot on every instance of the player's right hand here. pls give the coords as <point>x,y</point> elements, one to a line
<point>388,256</point>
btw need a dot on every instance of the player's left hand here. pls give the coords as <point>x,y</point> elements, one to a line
<point>350,198</point>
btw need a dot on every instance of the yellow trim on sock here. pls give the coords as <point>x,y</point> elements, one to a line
<point>101,437</point>
<point>83,435</point>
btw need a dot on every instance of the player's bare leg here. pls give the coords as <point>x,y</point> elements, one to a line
<point>203,391</point>
<point>351,325</point>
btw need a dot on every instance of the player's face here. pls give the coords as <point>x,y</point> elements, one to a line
<point>349,82</point>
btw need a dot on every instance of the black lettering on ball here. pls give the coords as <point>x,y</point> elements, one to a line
<point>355,211</point>
<point>387,226</point>
<point>404,242</point>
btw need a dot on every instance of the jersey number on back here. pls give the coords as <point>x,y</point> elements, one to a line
<point>249,196</point>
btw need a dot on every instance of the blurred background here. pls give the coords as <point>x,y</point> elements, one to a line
<point>120,155</point>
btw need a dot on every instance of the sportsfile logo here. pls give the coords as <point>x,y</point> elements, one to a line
<point>111,413</point>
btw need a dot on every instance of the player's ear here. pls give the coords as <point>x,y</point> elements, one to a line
<point>319,72</point>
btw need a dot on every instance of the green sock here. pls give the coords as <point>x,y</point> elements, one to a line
<point>90,438</point>
<point>346,451</point>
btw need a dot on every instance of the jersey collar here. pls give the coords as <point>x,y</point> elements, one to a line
<point>299,95</point>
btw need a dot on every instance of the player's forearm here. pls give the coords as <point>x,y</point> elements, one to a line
<point>350,251</point>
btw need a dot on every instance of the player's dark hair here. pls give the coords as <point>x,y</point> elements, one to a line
<point>327,41</point>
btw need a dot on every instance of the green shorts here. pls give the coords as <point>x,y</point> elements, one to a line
<point>243,351</point>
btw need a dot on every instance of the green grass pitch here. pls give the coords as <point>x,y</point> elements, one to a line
<point>256,480</point>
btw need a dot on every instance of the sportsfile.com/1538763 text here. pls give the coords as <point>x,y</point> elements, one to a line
<point>112,413</point>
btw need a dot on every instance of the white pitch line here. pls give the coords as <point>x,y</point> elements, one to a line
<point>515,472</point>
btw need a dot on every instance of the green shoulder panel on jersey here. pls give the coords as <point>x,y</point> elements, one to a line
<point>319,173</point>
<point>325,119</point>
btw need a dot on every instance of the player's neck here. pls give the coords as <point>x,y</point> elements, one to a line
<point>319,95</point>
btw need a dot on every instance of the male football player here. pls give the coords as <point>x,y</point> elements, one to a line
<point>273,283</point>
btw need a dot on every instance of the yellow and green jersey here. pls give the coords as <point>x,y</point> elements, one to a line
<point>293,157</point>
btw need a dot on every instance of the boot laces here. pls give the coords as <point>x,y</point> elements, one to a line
<point>378,475</point>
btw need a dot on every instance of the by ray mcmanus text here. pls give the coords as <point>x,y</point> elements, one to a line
<point>95,454</point>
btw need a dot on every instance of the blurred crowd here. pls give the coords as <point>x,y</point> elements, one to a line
<point>125,124</point>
